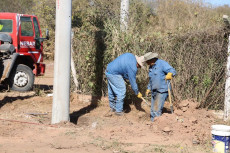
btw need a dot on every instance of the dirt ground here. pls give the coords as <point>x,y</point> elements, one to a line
<point>25,125</point>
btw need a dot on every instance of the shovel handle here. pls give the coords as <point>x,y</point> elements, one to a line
<point>145,101</point>
<point>170,98</point>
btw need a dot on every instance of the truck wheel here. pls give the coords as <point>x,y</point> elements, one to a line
<point>21,78</point>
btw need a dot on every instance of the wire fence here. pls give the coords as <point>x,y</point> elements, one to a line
<point>199,59</point>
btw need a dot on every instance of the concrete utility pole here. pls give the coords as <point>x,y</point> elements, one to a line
<point>227,84</point>
<point>124,15</point>
<point>60,110</point>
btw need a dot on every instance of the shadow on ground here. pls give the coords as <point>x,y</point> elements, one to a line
<point>43,87</point>
<point>74,117</point>
<point>7,99</point>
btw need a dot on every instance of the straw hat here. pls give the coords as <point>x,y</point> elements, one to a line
<point>140,60</point>
<point>149,56</point>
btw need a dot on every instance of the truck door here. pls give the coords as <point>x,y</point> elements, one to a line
<point>27,42</point>
<point>27,38</point>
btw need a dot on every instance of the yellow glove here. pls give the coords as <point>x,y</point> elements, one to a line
<point>139,95</point>
<point>169,76</point>
<point>147,92</point>
<point>1,26</point>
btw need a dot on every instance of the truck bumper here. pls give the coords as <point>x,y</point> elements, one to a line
<point>39,69</point>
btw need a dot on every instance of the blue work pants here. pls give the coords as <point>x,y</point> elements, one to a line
<point>157,103</point>
<point>116,91</point>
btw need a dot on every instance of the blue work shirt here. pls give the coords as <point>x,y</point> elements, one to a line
<point>126,66</point>
<point>157,74</point>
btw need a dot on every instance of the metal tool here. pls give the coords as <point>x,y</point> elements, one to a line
<point>145,101</point>
<point>170,97</point>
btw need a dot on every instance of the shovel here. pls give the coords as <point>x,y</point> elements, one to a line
<point>170,98</point>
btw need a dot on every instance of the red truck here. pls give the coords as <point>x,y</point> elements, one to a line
<point>21,50</point>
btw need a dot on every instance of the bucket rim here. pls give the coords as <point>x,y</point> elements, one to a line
<point>220,127</point>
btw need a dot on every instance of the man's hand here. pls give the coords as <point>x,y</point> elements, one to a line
<point>147,92</point>
<point>139,95</point>
<point>169,76</point>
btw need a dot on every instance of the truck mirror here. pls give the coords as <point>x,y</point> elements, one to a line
<point>47,34</point>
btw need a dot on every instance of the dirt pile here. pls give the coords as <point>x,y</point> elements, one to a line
<point>186,123</point>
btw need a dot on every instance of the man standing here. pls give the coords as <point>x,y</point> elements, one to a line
<point>123,67</point>
<point>160,74</point>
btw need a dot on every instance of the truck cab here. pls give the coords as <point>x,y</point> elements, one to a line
<point>21,50</point>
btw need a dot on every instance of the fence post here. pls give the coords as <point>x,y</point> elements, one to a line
<point>227,84</point>
<point>73,68</point>
<point>124,17</point>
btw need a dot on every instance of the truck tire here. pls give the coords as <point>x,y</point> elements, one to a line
<point>21,78</point>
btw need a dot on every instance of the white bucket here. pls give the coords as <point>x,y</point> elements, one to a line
<point>221,138</point>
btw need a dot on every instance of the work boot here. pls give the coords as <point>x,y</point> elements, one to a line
<point>119,113</point>
<point>110,112</point>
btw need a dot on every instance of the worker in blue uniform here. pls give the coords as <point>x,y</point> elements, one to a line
<point>160,73</point>
<point>123,67</point>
